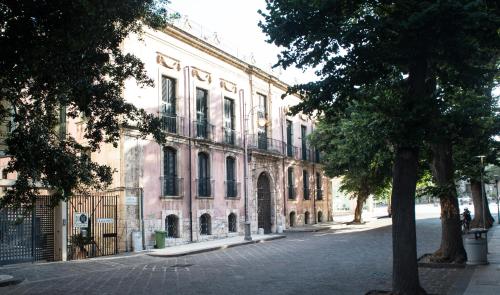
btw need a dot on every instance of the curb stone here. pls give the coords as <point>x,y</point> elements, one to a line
<point>185,253</point>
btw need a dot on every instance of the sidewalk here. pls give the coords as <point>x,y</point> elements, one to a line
<point>486,278</point>
<point>213,245</point>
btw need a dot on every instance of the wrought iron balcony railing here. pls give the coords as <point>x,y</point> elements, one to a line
<point>203,130</point>
<point>264,143</point>
<point>231,136</point>
<point>172,124</point>
<point>304,154</point>
<point>292,151</point>
<point>317,156</point>
<point>204,187</point>
<point>172,186</point>
<point>232,188</point>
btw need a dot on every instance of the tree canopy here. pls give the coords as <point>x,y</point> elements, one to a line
<point>64,58</point>
<point>399,51</point>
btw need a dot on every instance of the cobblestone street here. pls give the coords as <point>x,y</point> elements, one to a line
<point>352,260</point>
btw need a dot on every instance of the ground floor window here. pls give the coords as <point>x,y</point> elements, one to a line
<point>172,226</point>
<point>306,217</point>
<point>205,224</point>
<point>231,221</point>
<point>292,219</point>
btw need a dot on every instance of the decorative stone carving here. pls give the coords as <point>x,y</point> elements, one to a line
<point>228,86</point>
<point>202,75</point>
<point>168,62</point>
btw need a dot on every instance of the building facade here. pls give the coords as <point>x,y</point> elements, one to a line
<point>212,105</point>
<point>233,156</point>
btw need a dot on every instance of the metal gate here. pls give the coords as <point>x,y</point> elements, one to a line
<point>264,203</point>
<point>95,234</point>
<point>27,235</point>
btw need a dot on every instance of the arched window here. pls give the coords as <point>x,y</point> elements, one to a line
<point>292,219</point>
<point>231,221</point>
<point>205,224</point>
<point>172,226</point>
<point>170,172</point>
<point>231,189</point>
<point>320,216</point>
<point>306,217</point>
<point>204,188</point>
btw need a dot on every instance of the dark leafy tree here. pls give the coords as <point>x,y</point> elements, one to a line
<point>403,48</point>
<point>478,139</point>
<point>349,150</point>
<point>64,56</point>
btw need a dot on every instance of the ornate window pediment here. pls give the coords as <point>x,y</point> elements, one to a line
<point>228,86</point>
<point>168,61</point>
<point>201,75</point>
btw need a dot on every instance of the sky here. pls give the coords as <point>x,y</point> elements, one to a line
<point>235,22</point>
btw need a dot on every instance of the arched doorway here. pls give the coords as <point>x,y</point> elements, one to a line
<point>306,217</point>
<point>292,219</point>
<point>264,203</point>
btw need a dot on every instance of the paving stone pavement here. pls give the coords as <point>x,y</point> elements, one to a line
<point>350,260</point>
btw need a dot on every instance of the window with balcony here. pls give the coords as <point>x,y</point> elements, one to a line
<point>170,185</point>
<point>303,134</point>
<point>202,127</point>
<point>231,186</point>
<point>305,177</point>
<point>291,184</point>
<point>289,138</point>
<point>262,115</point>
<point>229,132</point>
<point>204,181</point>
<point>168,105</point>
<point>319,191</point>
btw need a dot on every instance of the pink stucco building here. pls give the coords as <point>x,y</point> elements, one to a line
<point>194,186</point>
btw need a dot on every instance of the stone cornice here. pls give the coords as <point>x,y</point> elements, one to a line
<point>197,43</point>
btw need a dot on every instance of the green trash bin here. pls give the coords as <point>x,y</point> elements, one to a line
<point>160,236</point>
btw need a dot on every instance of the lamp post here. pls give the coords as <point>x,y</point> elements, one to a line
<point>248,232</point>
<point>498,201</point>
<point>482,191</point>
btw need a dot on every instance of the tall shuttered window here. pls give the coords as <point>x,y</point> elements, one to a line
<point>170,172</point>
<point>168,104</point>
<point>202,129</point>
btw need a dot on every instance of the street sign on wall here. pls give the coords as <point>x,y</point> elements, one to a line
<point>80,220</point>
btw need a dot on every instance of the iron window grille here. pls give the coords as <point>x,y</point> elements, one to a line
<point>172,226</point>
<point>232,223</point>
<point>205,224</point>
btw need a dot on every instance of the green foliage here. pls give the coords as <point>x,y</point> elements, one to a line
<point>398,49</point>
<point>66,55</point>
<point>351,149</point>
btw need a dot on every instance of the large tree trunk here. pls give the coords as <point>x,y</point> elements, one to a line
<point>477,221</point>
<point>405,278</point>
<point>452,247</point>
<point>360,201</point>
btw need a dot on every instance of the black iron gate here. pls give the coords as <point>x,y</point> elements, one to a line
<point>94,234</point>
<point>27,235</point>
<point>264,203</point>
